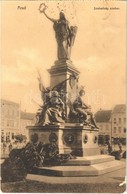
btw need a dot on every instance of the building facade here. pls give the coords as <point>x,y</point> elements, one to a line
<point>112,122</point>
<point>119,121</point>
<point>27,119</point>
<point>10,119</point>
<point>14,121</point>
<point>103,119</point>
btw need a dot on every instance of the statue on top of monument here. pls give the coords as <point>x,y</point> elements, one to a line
<point>65,34</point>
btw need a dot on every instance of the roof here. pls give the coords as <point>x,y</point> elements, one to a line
<point>103,115</point>
<point>8,102</point>
<point>119,108</point>
<point>27,116</point>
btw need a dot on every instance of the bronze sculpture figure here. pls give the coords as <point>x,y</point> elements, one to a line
<point>64,34</point>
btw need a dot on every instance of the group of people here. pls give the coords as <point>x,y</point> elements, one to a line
<point>6,148</point>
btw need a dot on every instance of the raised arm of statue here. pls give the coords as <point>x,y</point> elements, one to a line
<point>51,19</point>
<point>43,11</point>
<point>64,34</point>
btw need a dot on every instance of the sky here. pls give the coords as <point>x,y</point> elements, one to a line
<point>99,52</point>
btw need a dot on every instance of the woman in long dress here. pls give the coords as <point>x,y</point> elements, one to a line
<point>64,34</point>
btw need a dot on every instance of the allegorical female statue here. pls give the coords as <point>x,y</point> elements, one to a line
<point>52,111</point>
<point>65,35</point>
<point>83,110</point>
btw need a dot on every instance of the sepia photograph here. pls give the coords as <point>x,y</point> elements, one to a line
<point>63,96</point>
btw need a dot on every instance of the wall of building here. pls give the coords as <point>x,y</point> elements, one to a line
<point>104,128</point>
<point>24,123</point>
<point>10,119</point>
<point>119,124</point>
<point>116,125</point>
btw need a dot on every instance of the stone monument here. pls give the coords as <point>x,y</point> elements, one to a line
<point>64,118</point>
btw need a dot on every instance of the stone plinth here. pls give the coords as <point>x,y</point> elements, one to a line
<point>80,140</point>
<point>69,137</point>
<point>81,170</point>
<point>61,71</point>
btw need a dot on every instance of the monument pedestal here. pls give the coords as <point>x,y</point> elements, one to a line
<point>70,137</point>
<point>60,72</point>
<point>80,140</point>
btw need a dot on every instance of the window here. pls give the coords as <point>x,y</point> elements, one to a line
<point>8,137</point>
<point>2,122</point>
<point>124,130</point>
<point>114,120</point>
<point>13,112</point>
<point>13,136</point>
<point>119,129</point>
<point>7,123</point>
<point>119,120</point>
<point>16,124</point>
<point>2,137</point>
<point>8,112</point>
<point>2,111</point>
<point>11,123</point>
<point>114,130</point>
<point>124,120</point>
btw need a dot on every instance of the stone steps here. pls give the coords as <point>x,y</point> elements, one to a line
<point>75,171</point>
<point>89,160</point>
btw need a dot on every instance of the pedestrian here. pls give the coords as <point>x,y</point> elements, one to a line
<point>10,147</point>
<point>4,148</point>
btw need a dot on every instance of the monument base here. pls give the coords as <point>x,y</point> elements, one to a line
<point>90,166</point>
<point>81,140</point>
<point>69,137</point>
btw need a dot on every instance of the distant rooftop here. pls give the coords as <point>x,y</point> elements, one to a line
<point>103,115</point>
<point>119,108</point>
<point>8,102</point>
<point>26,115</point>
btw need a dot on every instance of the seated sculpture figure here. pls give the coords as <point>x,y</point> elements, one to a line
<point>83,110</point>
<point>53,110</point>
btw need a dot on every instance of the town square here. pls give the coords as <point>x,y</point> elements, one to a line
<point>63,107</point>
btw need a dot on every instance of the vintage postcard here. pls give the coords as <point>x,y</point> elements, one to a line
<point>63,107</point>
